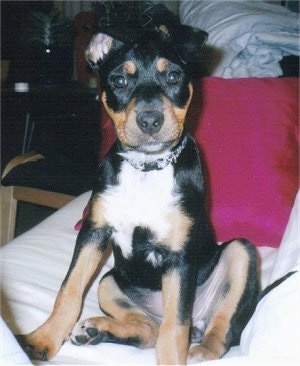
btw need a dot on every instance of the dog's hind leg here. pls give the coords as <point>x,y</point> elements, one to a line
<point>236,276</point>
<point>125,323</point>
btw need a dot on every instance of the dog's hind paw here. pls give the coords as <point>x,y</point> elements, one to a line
<point>85,333</point>
<point>200,353</point>
<point>96,330</point>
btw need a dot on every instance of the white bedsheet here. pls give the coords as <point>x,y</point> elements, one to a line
<point>34,265</point>
<point>251,35</point>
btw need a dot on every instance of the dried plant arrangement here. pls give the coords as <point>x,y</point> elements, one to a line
<point>48,28</point>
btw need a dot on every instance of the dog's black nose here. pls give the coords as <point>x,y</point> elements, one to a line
<point>150,122</point>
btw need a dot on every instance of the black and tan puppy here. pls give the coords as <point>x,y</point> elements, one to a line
<point>171,285</point>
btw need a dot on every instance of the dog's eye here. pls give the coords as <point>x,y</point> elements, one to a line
<point>120,81</point>
<point>173,77</point>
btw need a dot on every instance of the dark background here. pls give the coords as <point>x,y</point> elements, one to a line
<point>13,15</point>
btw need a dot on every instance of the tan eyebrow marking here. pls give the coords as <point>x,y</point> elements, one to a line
<point>129,67</point>
<point>162,64</point>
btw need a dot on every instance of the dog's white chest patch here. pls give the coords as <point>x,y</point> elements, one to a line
<point>143,199</point>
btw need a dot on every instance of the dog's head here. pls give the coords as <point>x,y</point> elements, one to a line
<point>146,81</point>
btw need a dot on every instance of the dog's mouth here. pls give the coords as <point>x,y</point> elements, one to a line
<point>152,145</point>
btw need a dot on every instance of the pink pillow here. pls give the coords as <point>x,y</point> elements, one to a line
<point>247,130</point>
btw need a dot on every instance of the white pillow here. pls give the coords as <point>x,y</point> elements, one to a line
<point>251,37</point>
<point>273,332</point>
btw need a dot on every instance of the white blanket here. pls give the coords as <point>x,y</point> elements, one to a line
<point>251,36</point>
<point>34,265</point>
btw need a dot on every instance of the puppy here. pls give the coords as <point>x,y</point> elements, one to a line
<point>172,287</point>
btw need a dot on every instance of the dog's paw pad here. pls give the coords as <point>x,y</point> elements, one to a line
<point>79,340</point>
<point>92,332</point>
<point>83,334</point>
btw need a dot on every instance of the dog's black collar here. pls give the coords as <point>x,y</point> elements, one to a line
<point>160,163</point>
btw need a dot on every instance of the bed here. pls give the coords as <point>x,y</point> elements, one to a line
<point>247,128</point>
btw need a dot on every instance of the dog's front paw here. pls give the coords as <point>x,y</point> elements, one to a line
<point>85,332</point>
<point>34,351</point>
<point>201,353</point>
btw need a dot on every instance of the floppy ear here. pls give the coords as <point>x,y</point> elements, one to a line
<point>110,38</point>
<point>188,42</point>
<point>99,46</point>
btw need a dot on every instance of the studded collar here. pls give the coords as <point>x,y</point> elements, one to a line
<point>159,163</point>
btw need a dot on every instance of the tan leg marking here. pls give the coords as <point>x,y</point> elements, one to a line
<point>49,337</point>
<point>180,225</point>
<point>136,321</point>
<point>97,212</point>
<point>172,342</point>
<point>134,326</point>
<point>124,319</point>
<point>213,344</point>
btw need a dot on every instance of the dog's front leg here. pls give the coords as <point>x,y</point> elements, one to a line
<point>173,340</point>
<point>45,341</point>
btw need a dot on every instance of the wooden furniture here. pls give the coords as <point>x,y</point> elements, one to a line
<point>50,147</point>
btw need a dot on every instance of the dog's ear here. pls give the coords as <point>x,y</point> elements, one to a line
<point>109,38</point>
<point>98,48</point>
<point>187,41</point>
<point>190,42</point>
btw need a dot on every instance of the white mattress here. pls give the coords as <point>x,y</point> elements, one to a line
<point>34,265</point>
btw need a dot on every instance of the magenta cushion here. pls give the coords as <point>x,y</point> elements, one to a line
<point>248,133</point>
<point>247,130</point>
